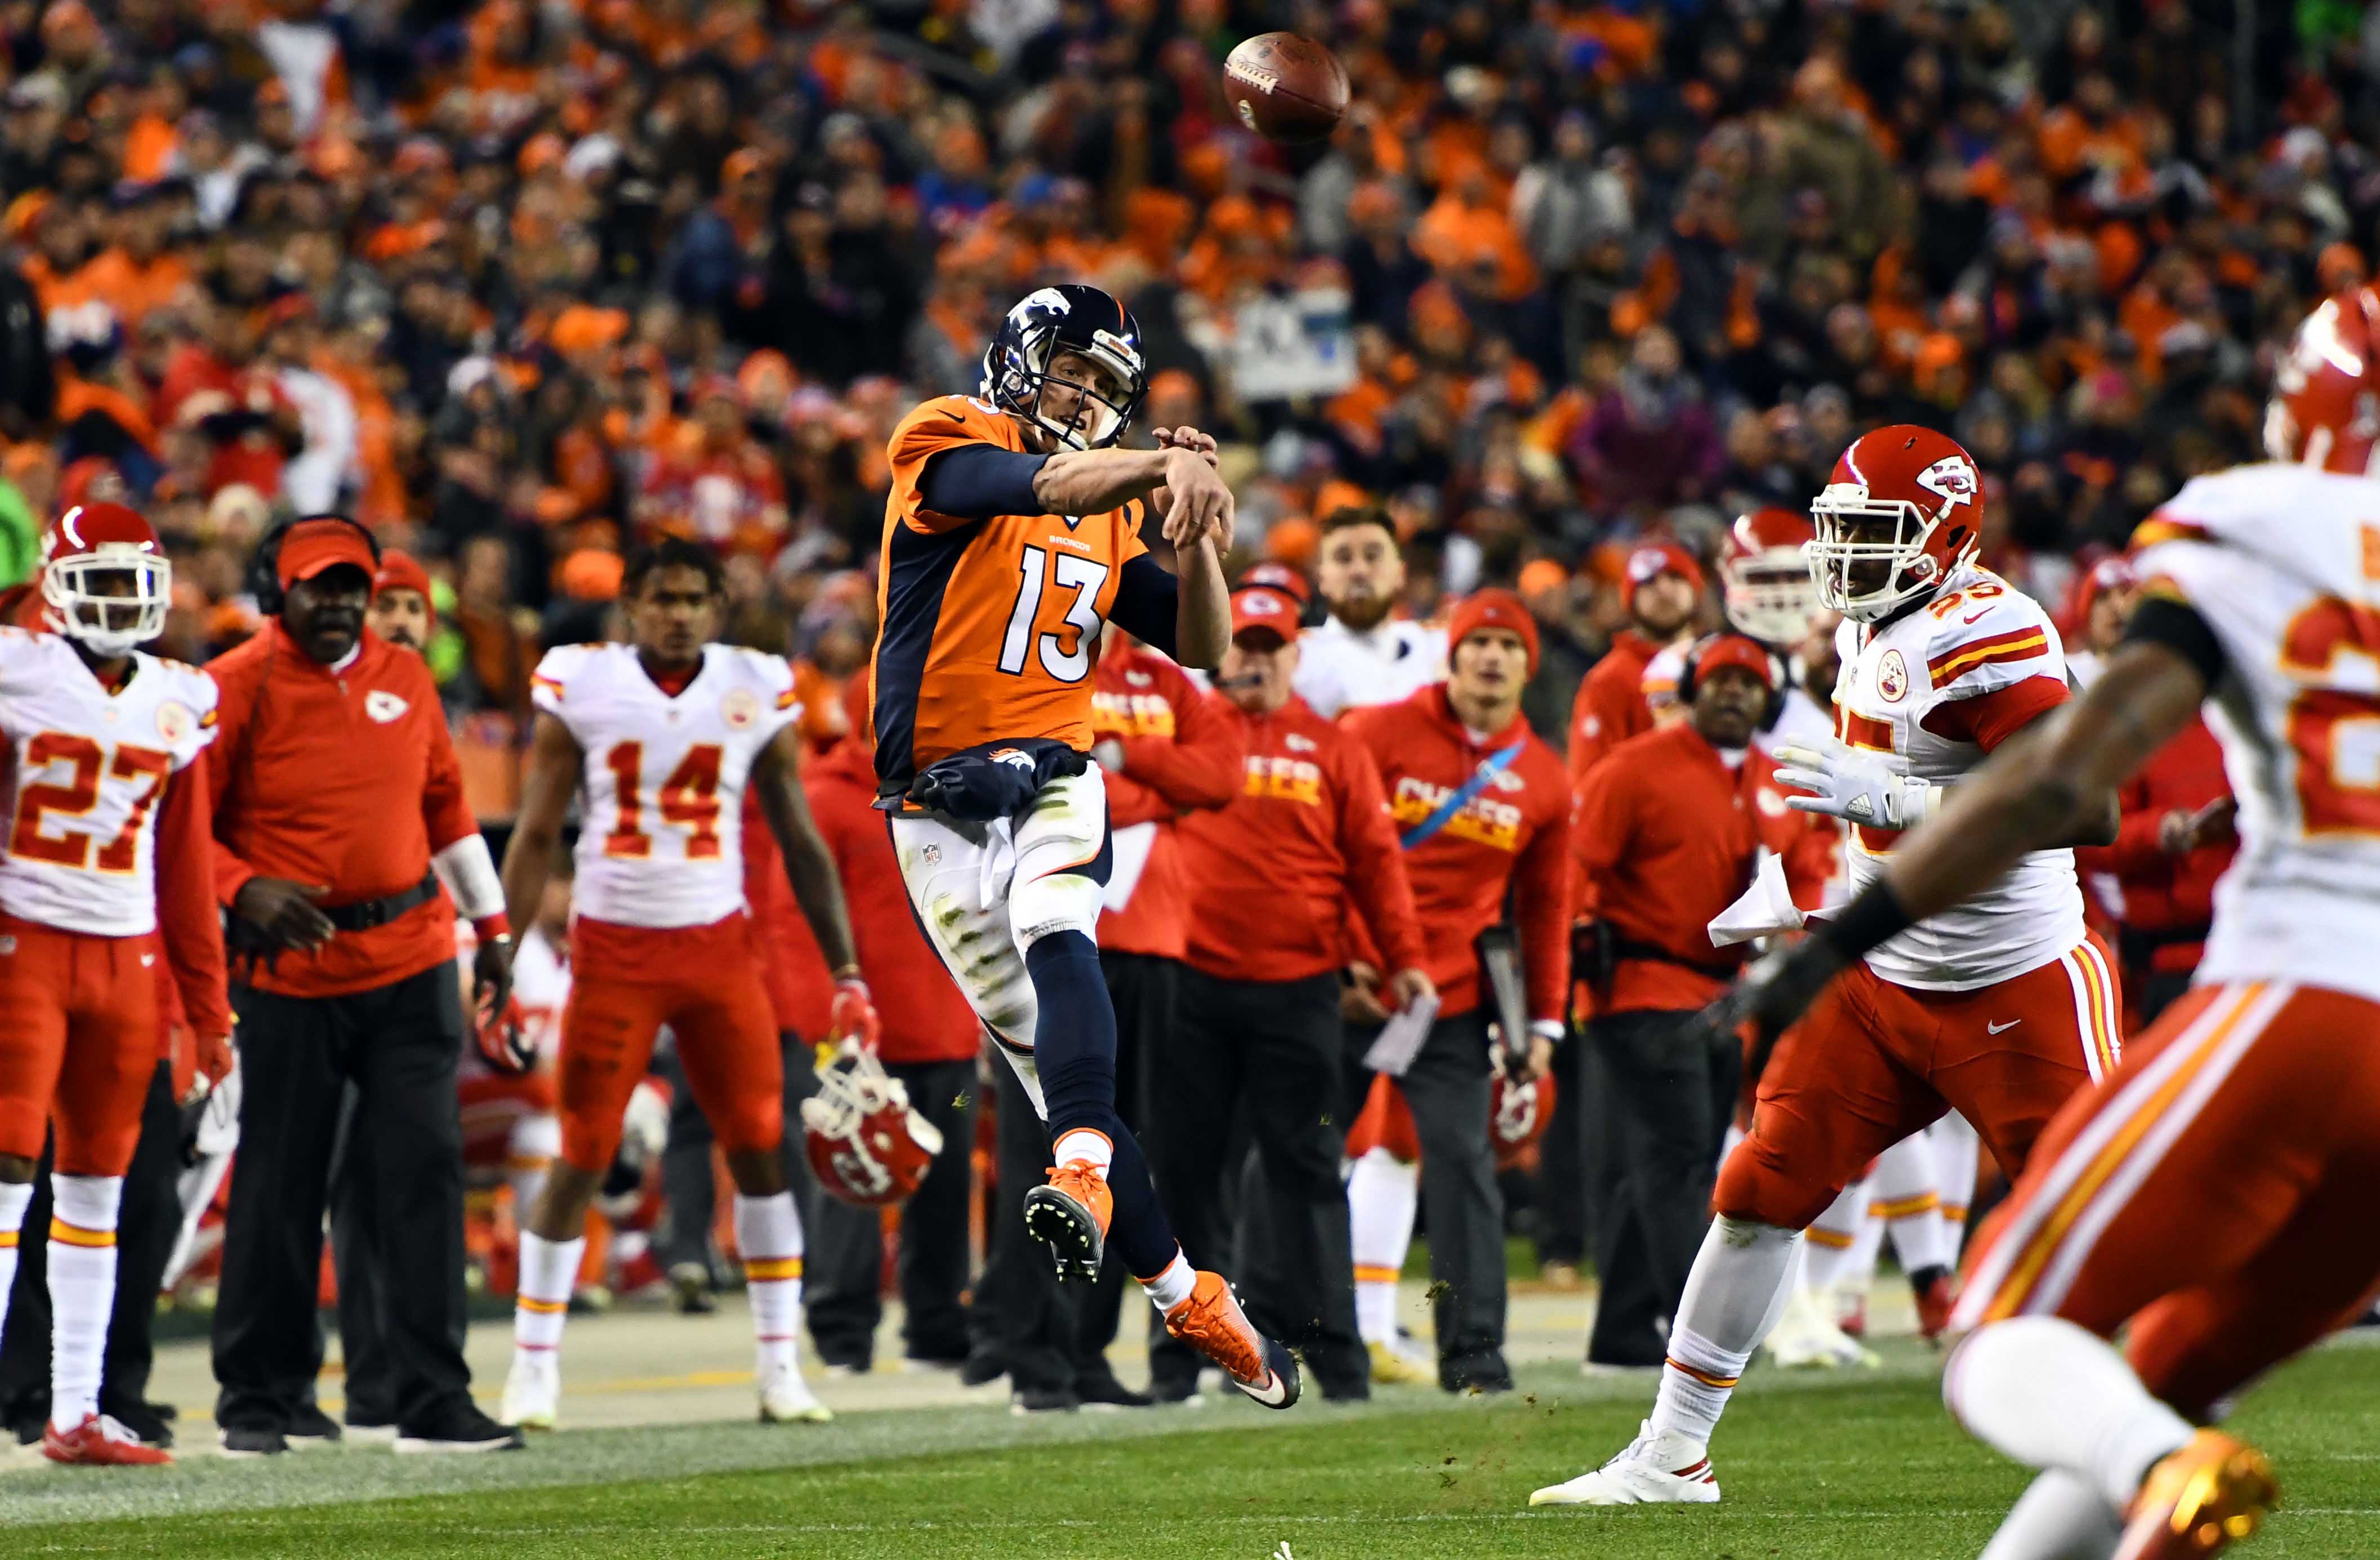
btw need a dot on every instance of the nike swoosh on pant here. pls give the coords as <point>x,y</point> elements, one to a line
<point>1995,1028</point>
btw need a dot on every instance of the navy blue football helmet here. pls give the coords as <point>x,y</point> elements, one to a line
<point>1067,318</point>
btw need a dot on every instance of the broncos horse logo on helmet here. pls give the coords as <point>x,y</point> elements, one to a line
<point>1067,318</point>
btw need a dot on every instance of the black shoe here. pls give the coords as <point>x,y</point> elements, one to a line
<point>1067,1230</point>
<point>142,1420</point>
<point>1042,1400</point>
<point>690,1289</point>
<point>934,1361</point>
<point>459,1427</point>
<point>980,1370</point>
<point>1173,1389</point>
<point>1477,1374</point>
<point>166,1411</point>
<point>252,1440</point>
<point>1101,1390</point>
<point>309,1428</point>
<point>1353,1389</point>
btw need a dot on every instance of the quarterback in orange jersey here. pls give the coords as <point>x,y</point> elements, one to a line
<point>1014,533</point>
<point>659,737</point>
<point>2212,1195</point>
<point>108,845</point>
<point>2000,1007</point>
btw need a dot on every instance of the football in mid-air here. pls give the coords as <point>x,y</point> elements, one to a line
<point>1286,88</point>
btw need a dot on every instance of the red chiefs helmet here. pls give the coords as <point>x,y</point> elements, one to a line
<point>105,577</point>
<point>1519,1110</point>
<point>1905,509</point>
<point>2325,405</point>
<point>1764,571</point>
<point>865,1142</point>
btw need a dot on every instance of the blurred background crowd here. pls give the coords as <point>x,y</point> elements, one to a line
<point>519,283</point>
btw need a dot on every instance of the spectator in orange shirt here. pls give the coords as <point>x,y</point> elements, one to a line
<point>1663,591</point>
<point>1665,838</point>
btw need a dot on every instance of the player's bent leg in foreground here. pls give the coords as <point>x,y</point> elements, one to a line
<point>1022,954</point>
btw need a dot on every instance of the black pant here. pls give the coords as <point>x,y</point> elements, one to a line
<point>689,1184</point>
<point>1448,1089</point>
<point>1021,1316</point>
<point>1274,1047</point>
<point>846,1246</point>
<point>398,1044</point>
<point>2159,989</point>
<point>146,1224</point>
<point>1563,1220</point>
<point>1665,1101</point>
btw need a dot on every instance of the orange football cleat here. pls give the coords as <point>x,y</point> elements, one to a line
<point>100,1443</point>
<point>1069,1216</point>
<point>1934,1304</point>
<point>2200,1501</point>
<point>1211,1321</point>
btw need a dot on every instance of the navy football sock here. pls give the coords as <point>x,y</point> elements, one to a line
<point>1075,1051</point>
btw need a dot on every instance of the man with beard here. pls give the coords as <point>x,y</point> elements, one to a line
<point>1663,589</point>
<point>1362,655</point>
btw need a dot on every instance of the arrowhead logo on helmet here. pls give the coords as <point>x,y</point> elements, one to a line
<point>1521,1108</point>
<point>863,1139</point>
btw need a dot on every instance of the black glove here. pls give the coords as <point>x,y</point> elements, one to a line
<point>1771,1003</point>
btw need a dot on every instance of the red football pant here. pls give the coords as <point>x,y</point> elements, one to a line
<point>78,1039</point>
<point>704,982</point>
<point>1872,1062</point>
<point>2214,1191</point>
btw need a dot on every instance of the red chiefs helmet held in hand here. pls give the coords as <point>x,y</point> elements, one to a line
<point>1519,1110</point>
<point>866,1143</point>
<point>1765,578</point>
<point>2325,405</point>
<point>1905,508</point>
<point>106,579</point>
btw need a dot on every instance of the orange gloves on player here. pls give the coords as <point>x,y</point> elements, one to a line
<point>853,1017</point>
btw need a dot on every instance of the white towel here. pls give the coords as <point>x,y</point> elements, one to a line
<point>1764,909</point>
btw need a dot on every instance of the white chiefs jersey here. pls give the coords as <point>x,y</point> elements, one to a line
<point>1339,669</point>
<point>1802,723</point>
<point>660,825</point>
<point>1897,697</point>
<point>2283,562</point>
<point>88,769</point>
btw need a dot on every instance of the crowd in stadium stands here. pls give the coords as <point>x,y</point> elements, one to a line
<point>522,285</point>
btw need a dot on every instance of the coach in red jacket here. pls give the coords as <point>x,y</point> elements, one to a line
<point>1271,881</point>
<point>1482,812</point>
<point>1663,589</point>
<point>2175,840</point>
<point>1667,833</point>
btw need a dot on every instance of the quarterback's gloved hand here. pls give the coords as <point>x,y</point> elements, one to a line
<point>1847,784</point>
<point>853,1014</point>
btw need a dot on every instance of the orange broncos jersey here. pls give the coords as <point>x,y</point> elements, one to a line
<point>991,627</point>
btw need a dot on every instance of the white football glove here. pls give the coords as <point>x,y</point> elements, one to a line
<point>1848,783</point>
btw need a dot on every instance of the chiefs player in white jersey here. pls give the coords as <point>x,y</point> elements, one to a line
<point>659,736</point>
<point>1999,1006</point>
<point>108,843</point>
<point>2213,1196</point>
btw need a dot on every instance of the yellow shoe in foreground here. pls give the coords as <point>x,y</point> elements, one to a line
<point>2200,1501</point>
<point>786,1398</point>
<point>1211,1321</point>
<point>1392,1368</point>
<point>1069,1215</point>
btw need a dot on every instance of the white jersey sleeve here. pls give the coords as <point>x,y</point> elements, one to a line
<point>661,796</point>
<point>2282,562</point>
<point>88,769</point>
<point>1908,693</point>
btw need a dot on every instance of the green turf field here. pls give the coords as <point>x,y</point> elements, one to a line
<point>1812,1468</point>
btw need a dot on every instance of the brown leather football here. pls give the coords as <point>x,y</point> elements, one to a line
<point>1286,88</point>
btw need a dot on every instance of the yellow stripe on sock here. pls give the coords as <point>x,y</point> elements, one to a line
<point>543,1308</point>
<point>1828,1239</point>
<point>1375,1275</point>
<point>762,1270</point>
<point>1722,1382</point>
<point>1906,1207</point>
<point>65,1234</point>
<point>7,1239</point>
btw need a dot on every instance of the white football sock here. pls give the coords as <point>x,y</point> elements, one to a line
<point>2050,1394</point>
<point>1084,1144</point>
<point>82,1290</point>
<point>1908,1199</point>
<point>1831,1238</point>
<point>1741,1279</point>
<point>14,1199</point>
<point>1382,1193</point>
<point>1172,1286</point>
<point>2057,1518</point>
<point>1956,1152</point>
<point>769,1239</point>
<point>536,1142</point>
<point>549,1271</point>
<point>1857,1275</point>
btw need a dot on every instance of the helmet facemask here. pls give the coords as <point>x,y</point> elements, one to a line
<point>111,599</point>
<point>848,1095</point>
<point>1869,559</point>
<point>1019,382</point>
<point>1773,596</point>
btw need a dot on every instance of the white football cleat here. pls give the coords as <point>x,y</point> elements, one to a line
<point>786,1398</point>
<point>1807,1338</point>
<point>532,1390</point>
<point>1663,1468</point>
